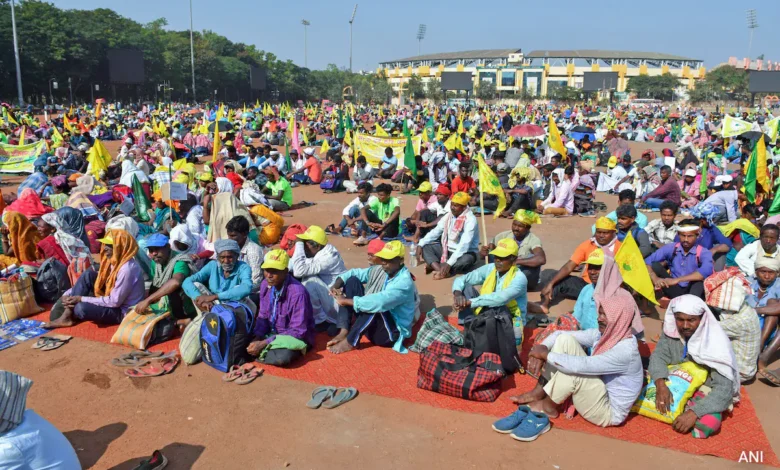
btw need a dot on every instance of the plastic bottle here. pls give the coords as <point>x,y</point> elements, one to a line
<point>517,328</point>
<point>413,255</point>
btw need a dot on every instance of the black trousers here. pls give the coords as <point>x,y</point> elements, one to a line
<point>432,254</point>
<point>693,288</point>
<point>532,275</point>
<point>281,357</point>
<point>390,232</point>
<point>379,328</point>
<point>569,288</point>
<point>425,216</point>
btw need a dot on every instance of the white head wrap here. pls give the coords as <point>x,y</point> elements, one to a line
<point>224,185</point>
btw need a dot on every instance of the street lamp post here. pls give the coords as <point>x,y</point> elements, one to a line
<point>16,56</point>
<point>351,20</point>
<point>192,56</point>
<point>305,24</point>
<point>420,36</point>
<point>752,24</point>
<point>70,87</point>
<point>51,95</point>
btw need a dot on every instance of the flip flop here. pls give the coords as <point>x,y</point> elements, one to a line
<point>232,374</point>
<point>772,376</point>
<point>249,375</point>
<point>56,342</point>
<point>154,369</point>
<point>139,358</point>
<point>319,395</point>
<point>331,229</point>
<point>341,396</point>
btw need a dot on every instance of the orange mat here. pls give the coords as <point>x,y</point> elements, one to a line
<point>383,372</point>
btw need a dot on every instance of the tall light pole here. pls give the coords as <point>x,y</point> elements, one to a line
<point>305,24</point>
<point>16,55</point>
<point>192,56</point>
<point>752,24</point>
<point>420,36</point>
<point>351,20</point>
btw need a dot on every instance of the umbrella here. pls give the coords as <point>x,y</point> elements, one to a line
<point>100,100</point>
<point>581,135</point>
<point>526,130</point>
<point>224,126</point>
<point>583,130</point>
<point>753,136</point>
<point>592,114</point>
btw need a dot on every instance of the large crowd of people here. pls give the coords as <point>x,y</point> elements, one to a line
<point>126,243</point>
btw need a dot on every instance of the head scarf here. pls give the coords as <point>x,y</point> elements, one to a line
<point>560,173</point>
<point>23,235</point>
<point>706,211</point>
<point>527,217</point>
<point>226,245</point>
<point>71,245</point>
<point>182,234</point>
<point>85,184</point>
<point>709,344</point>
<point>29,204</point>
<point>767,262</point>
<point>461,198</point>
<point>125,249</point>
<point>59,181</point>
<point>604,223</point>
<point>123,222</point>
<point>224,185</point>
<point>73,223</point>
<point>13,400</point>
<point>609,286</point>
<point>129,170</point>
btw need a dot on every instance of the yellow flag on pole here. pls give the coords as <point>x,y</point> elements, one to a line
<point>56,136</point>
<point>555,141</point>
<point>633,268</point>
<point>489,183</point>
<point>772,128</point>
<point>217,142</point>
<point>325,147</point>
<point>454,142</point>
<point>381,132</point>
<point>98,158</point>
<point>733,126</point>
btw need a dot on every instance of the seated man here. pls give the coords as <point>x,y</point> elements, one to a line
<point>168,272</point>
<point>603,385</point>
<point>284,328</point>
<point>691,333</point>
<point>503,286</point>
<point>278,190</point>
<point>350,216</point>
<point>458,232</point>
<point>389,164</point>
<point>711,238</point>
<point>426,215</point>
<point>562,283</point>
<point>626,197</point>
<point>662,231</point>
<point>764,247</point>
<point>104,297</point>
<point>765,299</point>
<point>464,183</point>
<point>317,263</point>
<point>385,315</point>
<point>681,268</point>
<point>627,223</point>
<point>744,330</point>
<point>530,255</point>
<point>381,215</point>
<point>225,278</point>
<point>251,253</point>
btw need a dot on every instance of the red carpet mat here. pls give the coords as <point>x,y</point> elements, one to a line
<point>383,372</point>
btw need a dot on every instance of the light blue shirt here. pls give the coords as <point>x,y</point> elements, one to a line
<point>772,293</point>
<point>641,220</point>
<point>728,201</point>
<point>234,287</point>
<point>585,308</point>
<point>35,444</point>
<point>398,296</point>
<point>516,290</point>
<point>391,162</point>
<point>467,240</point>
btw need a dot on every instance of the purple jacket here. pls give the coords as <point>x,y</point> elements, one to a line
<point>294,313</point>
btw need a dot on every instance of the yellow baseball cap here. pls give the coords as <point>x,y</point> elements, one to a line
<point>604,223</point>
<point>276,259</point>
<point>107,240</point>
<point>425,187</point>
<point>612,163</point>
<point>315,234</point>
<point>505,247</point>
<point>392,250</point>
<point>596,257</point>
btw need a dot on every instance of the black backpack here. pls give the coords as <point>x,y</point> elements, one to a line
<point>51,281</point>
<point>491,331</point>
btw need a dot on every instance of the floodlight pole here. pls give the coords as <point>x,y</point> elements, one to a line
<point>16,56</point>
<point>306,24</point>
<point>351,20</point>
<point>752,24</point>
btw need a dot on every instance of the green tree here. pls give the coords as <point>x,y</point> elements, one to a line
<point>723,83</point>
<point>486,90</point>
<point>433,90</point>
<point>661,87</point>
<point>416,87</point>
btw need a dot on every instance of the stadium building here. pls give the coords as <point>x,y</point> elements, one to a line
<point>538,71</point>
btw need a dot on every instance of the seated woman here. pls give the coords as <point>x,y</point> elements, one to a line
<point>742,232</point>
<point>61,192</point>
<point>603,385</point>
<point>20,240</point>
<point>224,278</point>
<point>219,206</point>
<point>691,333</point>
<point>160,219</point>
<point>284,328</point>
<point>104,297</point>
<point>168,272</point>
<point>561,198</point>
<point>269,222</point>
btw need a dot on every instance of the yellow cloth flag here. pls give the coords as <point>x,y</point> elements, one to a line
<point>348,138</point>
<point>772,128</point>
<point>221,111</point>
<point>98,110</point>
<point>9,117</point>
<point>762,179</point>
<point>633,269</point>
<point>217,142</point>
<point>381,132</point>
<point>460,125</point>
<point>56,136</point>
<point>22,135</point>
<point>67,124</point>
<point>732,126</point>
<point>555,141</point>
<point>439,134</point>
<point>454,142</point>
<point>98,158</point>
<point>489,183</point>
<point>325,147</point>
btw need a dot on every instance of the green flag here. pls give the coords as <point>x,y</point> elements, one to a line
<point>429,131</point>
<point>751,176</point>
<point>142,202</point>
<point>340,129</point>
<point>287,159</point>
<point>410,161</point>
<point>703,185</point>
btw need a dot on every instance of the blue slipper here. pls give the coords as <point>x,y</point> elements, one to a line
<point>534,425</point>
<point>508,424</point>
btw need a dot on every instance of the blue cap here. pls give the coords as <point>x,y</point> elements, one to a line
<point>156,240</point>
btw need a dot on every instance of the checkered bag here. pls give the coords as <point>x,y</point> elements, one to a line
<point>452,370</point>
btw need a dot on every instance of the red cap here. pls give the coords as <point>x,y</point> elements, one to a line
<point>444,190</point>
<point>375,246</point>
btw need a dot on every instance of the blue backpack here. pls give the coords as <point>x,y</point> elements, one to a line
<point>225,333</point>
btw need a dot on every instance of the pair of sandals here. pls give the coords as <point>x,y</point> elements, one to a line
<point>243,374</point>
<point>51,342</point>
<point>330,397</point>
<point>146,363</point>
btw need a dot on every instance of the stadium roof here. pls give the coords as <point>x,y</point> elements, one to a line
<point>602,54</point>
<point>481,54</point>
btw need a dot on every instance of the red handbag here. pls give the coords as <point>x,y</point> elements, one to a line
<point>453,370</point>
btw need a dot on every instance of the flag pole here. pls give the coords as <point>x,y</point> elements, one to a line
<point>482,218</point>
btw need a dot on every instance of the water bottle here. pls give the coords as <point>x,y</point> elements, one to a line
<point>517,328</point>
<point>413,255</point>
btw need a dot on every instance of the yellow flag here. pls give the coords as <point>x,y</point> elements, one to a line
<point>733,126</point>
<point>439,134</point>
<point>348,138</point>
<point>460,125</point>
<point>325,147</point>
<point>489,183</point>
<point>381,132</point>
<point>98,158</point>
<point>56,136</point>
<point>98,110</point>
<point>633,269</point>
<point>217,142</point>
<point>555,141</point>
<point>454,142</point>
<point>10,117</point>
<point>772,128</point>
<point>22,135</point>
<point>761,170</point>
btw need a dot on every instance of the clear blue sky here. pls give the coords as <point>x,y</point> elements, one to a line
<point>711,31</point>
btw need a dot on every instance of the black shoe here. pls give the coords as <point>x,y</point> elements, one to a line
<point>156,462</point>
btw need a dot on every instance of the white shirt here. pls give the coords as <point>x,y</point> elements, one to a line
<point>746,258</point>
<point>356,203</point>
<point>326,264</point>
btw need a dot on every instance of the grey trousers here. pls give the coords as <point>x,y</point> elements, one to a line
<point>278,206</point>
<point>432,254</point>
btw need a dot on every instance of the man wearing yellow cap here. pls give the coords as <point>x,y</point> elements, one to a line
<point>284,328</point>
<point>453,245</point>
<point>317,263</point>
<point>426,215</point>
<point>384,316</point>
<point>563,284</point>
<point>503,289</point>
<point>531,256</point>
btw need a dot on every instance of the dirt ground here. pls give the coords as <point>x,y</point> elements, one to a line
<point>198,422</point>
